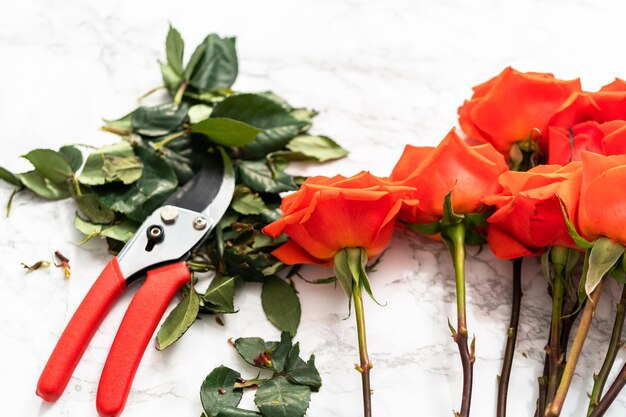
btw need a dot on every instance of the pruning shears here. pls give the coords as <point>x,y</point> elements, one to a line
<point>158,251</point>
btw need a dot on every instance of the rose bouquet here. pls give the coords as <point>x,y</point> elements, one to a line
<point>532,178</point>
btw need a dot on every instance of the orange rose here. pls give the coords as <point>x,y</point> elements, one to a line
<point>602,207</point>
<point>507,108</point>
<point>611,101</point>
<point>330,214</point>
<point>470,172</point>
<point>528,217</point>
<point>565,145</point>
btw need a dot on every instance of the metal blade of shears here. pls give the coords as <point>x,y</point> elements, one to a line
<point>210,190</point>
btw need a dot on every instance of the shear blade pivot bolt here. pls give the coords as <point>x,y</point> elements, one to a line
<point>199,223</point>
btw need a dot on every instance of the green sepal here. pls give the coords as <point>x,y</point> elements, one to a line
<point>449,216</point>
<point>604,256</point>
<point>578,239</point>
<point>427,228</point>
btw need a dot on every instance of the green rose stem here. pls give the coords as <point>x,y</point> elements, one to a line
<point>558,257</point>
<point>554,409</point>
<point>615,345</point>
<point>454,236</point>
<point>611,394</point>
<point>365,364</point>
<point>350,269</point>
<point>507,363</point>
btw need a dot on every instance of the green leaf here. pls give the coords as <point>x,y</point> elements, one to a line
<point>249,348</point>
<point>126,169</point>
<point>300,372</point>
<point>605,254</point>
<point>225,131</point>
<point>256,110</point>
<point>236,412</point>
<point>123,123</point>
<point>221,294</point>
<point>174,49</point>
<point>91,207</point>
<point>94,173</point>
<point>73,156</point>
<point>280,353</point>
<point>158,120</point>
<point>121,231</point>
<point>50,164</point>
<point>270,140</point>
<point>578,239</point>
<point>141,198</point>
<point>217,391</point>
<point>179,320</point>
<point>319,148</point>
<point>259,177</point>
<point>9,177</point>
<point>43,187</point>
<point>248,203</point>
<point>199,112</point>
<point>277,397</point>
<point>281,304</point>
<point>213,64</point>
<point>278,124</point>
<point>171,80</point>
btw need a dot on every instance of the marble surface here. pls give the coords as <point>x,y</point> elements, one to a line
<point>382,74</point>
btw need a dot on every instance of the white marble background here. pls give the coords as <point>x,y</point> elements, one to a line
<point>382,74</point>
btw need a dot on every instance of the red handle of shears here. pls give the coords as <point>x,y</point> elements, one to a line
<point>138,326</point>
<point>79,331</point>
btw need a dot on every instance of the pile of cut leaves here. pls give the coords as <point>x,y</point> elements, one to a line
<point>285,392</point>
<point>159,148</point>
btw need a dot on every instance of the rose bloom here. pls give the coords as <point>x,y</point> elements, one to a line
<point>607,138</point>
<point>330,214</point>
<point>528,217</point>
<point>602,207</point>
<point>470,172</point>
<point>509,107</point>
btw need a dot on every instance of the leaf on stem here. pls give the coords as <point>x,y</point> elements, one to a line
<point>121,231</point>
<point>226,132</point>
<point>179,320</point>
<point>217,391</point>
<point>213,65</point>
<point>158,120</point>
<point>101,166</point>
<point>277,397</point>
<point>259,177</point>
<point>281,304</point>
<point>9,177</point>
<point>604,256</point>
<point>220,296</point>
<point>174,49</point>
<point>50,164</point>
<point>319,148</point>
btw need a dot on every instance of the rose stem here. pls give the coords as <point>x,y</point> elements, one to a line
<point>554,349</point>
<point>555,407</point>
<point>503,384</point>
<point>366,364</point>
<point>456,242</point>
<point>611,394</point>
<point>543,389</point>
<point>614,346</point>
